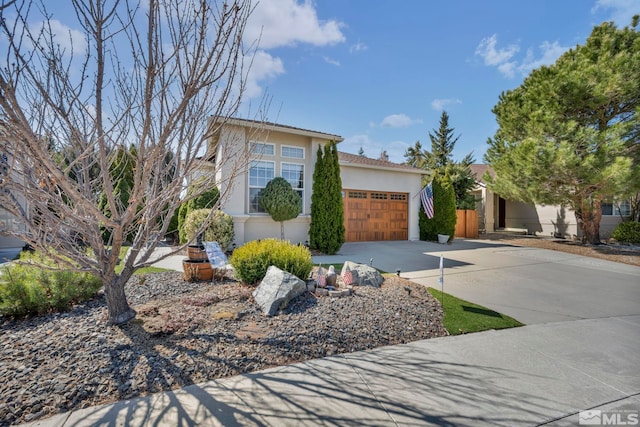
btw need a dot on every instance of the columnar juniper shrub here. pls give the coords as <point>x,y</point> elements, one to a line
<point>252,259</point>
<point>33,287</point>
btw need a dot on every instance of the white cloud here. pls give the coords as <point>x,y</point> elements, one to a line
<point>504,59</point>
<point>264,67</point>
<point>331,61</point>
<point>550,53</point>
<point>69,40</point>
<point>398,121</point>
<point>621,11</point>
<point>358,47</point>
<point>439,104</point>
<point>492,56</point>
<point>286,23</point>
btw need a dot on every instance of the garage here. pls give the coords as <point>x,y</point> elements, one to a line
<point>375,215</point>
<point>380,199</point>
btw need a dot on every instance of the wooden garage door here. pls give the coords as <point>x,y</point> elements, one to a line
<point>375,215</point>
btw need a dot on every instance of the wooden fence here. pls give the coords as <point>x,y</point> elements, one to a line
<point>467,224</point>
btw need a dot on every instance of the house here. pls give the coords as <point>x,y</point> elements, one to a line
<point>9,223</point>
<point>380,197</point>
<point>496,213</point>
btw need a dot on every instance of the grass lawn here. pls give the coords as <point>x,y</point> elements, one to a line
<point>462,317</point>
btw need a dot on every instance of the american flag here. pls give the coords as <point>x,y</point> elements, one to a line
<point>426,196</point>
<point>347,276</point>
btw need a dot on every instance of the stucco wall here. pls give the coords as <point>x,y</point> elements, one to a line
<point>541,220</point>
<point>251,226</point>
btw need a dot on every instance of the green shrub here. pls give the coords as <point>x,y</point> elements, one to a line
<point>207,199</point>
<point>252,259</point>
<point>220,227</point>
<point>627,232</point>
<point>34,288</point>
<point>444,211</point>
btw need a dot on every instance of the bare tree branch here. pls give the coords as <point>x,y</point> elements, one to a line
<point>128,79</point>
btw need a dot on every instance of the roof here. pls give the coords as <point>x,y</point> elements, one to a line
<point>479,170</point>
<point>275,127</point>
<point>348,159</point>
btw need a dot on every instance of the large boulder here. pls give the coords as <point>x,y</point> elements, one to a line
<point>277,289</point>
<point>363,275</point>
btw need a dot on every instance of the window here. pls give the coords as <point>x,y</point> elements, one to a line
<point>357,195</point>
<point>623,208</point>
<point>292,152</point>
<point>262,149</point>
<point>398,196</point>
<point>260,173</point>
<point>294,174</point>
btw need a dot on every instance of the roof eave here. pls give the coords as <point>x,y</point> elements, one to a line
<point>272,127</point>
<point>378,167</point>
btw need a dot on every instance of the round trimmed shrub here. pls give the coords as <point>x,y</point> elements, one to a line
<point>252,259</point>
<point>220,228</point>
<point>627,232</point>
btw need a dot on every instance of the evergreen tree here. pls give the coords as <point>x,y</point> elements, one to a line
<point>326,232</point>
<point>569,134</point>
<point>444,211</point>
<point>280,201</point>
<point>440,160</point>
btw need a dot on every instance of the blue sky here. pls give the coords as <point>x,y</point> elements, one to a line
<point>379,72</point>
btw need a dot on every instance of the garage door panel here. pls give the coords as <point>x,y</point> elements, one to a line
<point>375,215</point>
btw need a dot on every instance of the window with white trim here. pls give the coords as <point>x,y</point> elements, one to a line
<point>616,209</point>
<point>262,148</point>
<point>260,173</point>
<point>292,152</point>
<point>294,174</point>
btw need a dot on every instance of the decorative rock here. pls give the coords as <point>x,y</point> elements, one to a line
<point>322,292</point>
<point>336,293</point>
<point>311,285</point>
<point>363,275</point>
<point>277,289</point>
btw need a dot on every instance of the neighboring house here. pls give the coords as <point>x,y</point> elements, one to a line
<point>380,197</point>
<point>496,213</point>
<point>8,222</point>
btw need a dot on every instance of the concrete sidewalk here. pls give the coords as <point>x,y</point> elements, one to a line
<point>533,375</point>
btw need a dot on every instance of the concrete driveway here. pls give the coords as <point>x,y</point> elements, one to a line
<point>530,284</point>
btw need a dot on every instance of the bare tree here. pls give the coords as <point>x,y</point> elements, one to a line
<point>143,74</point>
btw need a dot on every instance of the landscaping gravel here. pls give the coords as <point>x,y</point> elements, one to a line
<point>188,333</point>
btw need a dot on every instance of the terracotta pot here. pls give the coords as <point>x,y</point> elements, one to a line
<point>196,252</point>
<point>197,270</point>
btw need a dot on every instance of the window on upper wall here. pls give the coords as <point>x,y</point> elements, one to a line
<point>260,173</point>
<point>623,208</point>
<point>262,148</point>
<point>292,152</point>
<point>294,174</point>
